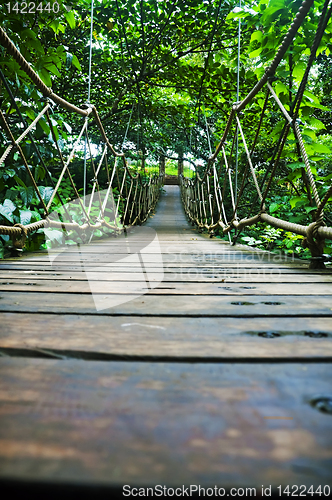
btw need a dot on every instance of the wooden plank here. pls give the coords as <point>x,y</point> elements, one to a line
<point>147,422</point>
<point>174,288</point>
<point>155,267</point>
<point>206,271</point>
<point>167,258</point>
<point>228,277</point>
<point>151,305</point>
<point>161,423</point>
<point>179,253</point>
<point>182,338</point>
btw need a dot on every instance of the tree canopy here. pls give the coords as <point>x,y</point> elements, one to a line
<point>172,61</point>
<point>171,66</point>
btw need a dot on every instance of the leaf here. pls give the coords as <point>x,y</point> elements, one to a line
<point>19,181</point>
<point>256,35</point>
<point>27,194</point>
<point>69,58</point>
<point>55,26</point>
<point>70,18</point>
<point>54,234</point>
<point>39,172</point>
<point>316,124</point>
<point>311,96</point>
<point>10,172</point>
<point>25,216</point>
<point>313,169</point>
<point>44,125</point>
<point>273,207</point>
<point>28,33</point>
<point>271,13</point>
<point>39,131</point>
<point>29,112</point>
<point>296,165</point>
<point>36,215</point>
<point>8,204</point>
<point>281,89</point>
<point>7,214</point>
<point>309,209</point>
<point>67,127</point>
<point>298,201</point>
<point>76,63</point>
<point>314,105</point>
<point>97,233</point>
<point>46,193</point>
<point>321,148</point>
<point>299,70</point>
<point>37,46</point>
<point>297,218</point>
<point>53,69</point>
<point>237,14</point>
<point>6,211</point>
<point>45,77</point>
<point>309,133</point>
<point>296,174</point>
<point>255,53</point>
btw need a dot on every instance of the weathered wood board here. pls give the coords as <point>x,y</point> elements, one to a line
<point>164,337</point>
<point>207,378</point>
<point>152,305</point>
<point>164,423</point>
<point>194,277</point>
<point>174,288</point>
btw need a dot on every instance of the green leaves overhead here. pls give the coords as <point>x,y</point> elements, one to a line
<point>165,62</point>
<point>70,18</point>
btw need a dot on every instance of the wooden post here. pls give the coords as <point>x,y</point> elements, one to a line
<point>180,160</point>
<point>162,165</point>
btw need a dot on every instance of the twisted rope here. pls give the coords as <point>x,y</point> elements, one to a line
<point>195,208</point>
<point>148,192</point>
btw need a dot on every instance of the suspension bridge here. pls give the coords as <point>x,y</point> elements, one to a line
<point>162,355</point>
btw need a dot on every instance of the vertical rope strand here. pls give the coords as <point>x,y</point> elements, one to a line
<point>90,53</point>
<point>89,95</point>
<point>237,100</point>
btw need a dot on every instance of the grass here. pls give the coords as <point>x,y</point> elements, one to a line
<point>172,170</point>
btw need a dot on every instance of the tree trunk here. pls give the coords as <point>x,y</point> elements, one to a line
<point>162,165</point>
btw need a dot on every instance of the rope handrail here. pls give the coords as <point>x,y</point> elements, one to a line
<point>269,72</point>
<point>196,193</point>
<point>25,66</point>
<point>141,204</point>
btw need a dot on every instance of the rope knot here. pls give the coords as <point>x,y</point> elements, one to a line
<point>19,243</point>
<point>319,222</point>
<point>315,244</point>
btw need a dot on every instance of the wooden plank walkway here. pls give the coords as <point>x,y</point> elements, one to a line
<point>219,375</point>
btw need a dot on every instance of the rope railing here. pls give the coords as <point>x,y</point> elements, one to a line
<point>136,194</point>
<point>207,204</point>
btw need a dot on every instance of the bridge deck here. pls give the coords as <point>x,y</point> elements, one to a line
<point>207,379</point>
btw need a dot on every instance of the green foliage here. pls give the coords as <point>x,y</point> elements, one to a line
<point>172,64</point>
<point>171,167</point>
<point>275,240</point>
